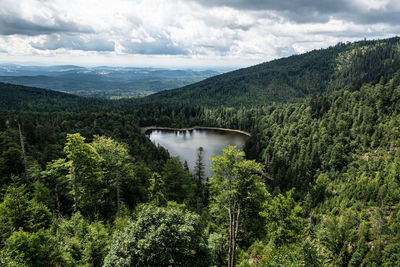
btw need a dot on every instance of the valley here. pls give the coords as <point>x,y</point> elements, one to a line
<point>101,82</point>
<point>315,182</point>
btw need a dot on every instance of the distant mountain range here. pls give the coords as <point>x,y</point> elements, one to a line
<point>103,81</point>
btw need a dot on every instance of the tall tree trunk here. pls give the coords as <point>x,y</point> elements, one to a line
<point>21,139</point>
<point>236,233</point>
<point>232,226</point>
<point>230,234</point>
<point>118,198</point>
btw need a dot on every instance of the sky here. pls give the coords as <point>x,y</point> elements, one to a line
<point>184,34</point>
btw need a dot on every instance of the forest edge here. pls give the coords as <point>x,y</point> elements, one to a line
<point>147,129</point>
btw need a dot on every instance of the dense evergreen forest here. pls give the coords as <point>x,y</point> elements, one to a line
<point>344,66</point>
<point>318,183</point>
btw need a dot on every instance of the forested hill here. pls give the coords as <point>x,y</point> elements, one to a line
<point>18,97</point>
<point>82,185</point>
<point>344,66</point>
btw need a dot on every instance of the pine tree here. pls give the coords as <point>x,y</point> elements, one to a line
<point>199,177</point>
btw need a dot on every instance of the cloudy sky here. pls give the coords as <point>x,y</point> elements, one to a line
<point>190,33</point>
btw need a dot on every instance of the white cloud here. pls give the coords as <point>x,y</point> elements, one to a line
<point>177,32</point>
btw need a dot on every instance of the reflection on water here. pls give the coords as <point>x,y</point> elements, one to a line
<point>185,143</point>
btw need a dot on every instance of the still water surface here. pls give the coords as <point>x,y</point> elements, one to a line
<point>185,144</point>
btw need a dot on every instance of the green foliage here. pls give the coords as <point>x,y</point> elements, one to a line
<point>304,253</point>
<point>234,178</point>
<point>114,154</point>
<point>199,176</point>
<point>337,142</point>
<point>53,187</point>
<point>338,235</point>
<point>11,162</point>
<point>218,248</point>
<point>235,188</point>
<point>6,259</point>
<point>199,166</point>
<point>117,169</point>
<point>135,189</point>
<point>17,97</point>
<point>391,255</point>
<point>178,184</point>
<point>159,237</point>
<point>156,190</point>
<point>284,220</point>
<point>17,211</point>
<point>81,243</point>
<point>33,249</point>
<point>85,172</point>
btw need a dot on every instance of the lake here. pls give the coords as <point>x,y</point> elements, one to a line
<point>185,143</point>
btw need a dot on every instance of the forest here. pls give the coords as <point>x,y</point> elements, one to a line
<point>317,184</point>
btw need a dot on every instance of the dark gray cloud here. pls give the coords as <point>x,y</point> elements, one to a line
<point>280,5</point>
<point>305,11</point>
<point>10,25</point>
<point>74,42</point>
<point>389,16</point>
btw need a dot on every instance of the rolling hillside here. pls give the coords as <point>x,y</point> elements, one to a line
<point>344,66</point>
<point>18,97</point>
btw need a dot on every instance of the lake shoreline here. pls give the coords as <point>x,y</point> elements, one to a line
<point>151,128</point>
